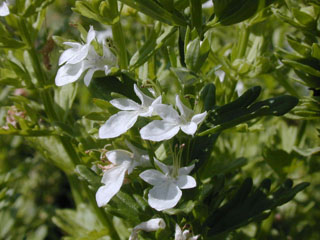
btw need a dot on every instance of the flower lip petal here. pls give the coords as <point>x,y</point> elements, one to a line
<point>145,100</point>
<point>69,73</point>
<point>186,182</point>
<point>164,168</point>
<point>113,180</point>
<point>186,170</point>
<point>152,177</point>
<point>88,76</point>
<point>117,157</point>
<point>164,196</point>
<point>68,54</point>
<point>166,112</point>
<point>198,118</point>
<point>118,124</point>
<point>190,128</point>
<point>186,112</point>
<point>4,10</point>
<point>91,35</point>
<point>125,104</point>
<point>159,130</point>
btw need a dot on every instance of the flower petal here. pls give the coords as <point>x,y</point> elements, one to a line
<point>178,233</point>
<point>91,35</point>
<point>125,104</point>
<point>149,226</point>
<point>113,180</point>
<point>4,10</point>
<point>117,157</point>
<point>186,112</point>
<point>166,112</point>
<point>69,53</point>
<point>164,168</point>
<point>164,196</point>
<point>198,118</point>
<point>185,182</point>
<point>118,124</point>
<point>189,128</point>
<point>153,177</point>
<point>186,170</point>
<point>145,100</point>
<point>88,76</point>
<point>159,130</point>
<point>69,73</point>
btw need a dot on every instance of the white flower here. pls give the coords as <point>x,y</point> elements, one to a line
<point>124,120</point>
<point>78,51</point>
<point>185,235</point>
<point>207,4</point>
<point>83,57</point>
<point>172,122</point>
<point>166,192</point>
<point>124,161</point>
<point>149,226</point>
<point>4,10</point>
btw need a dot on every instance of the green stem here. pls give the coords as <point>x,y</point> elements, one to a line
<point>118,36</point>
<point>243,43</point>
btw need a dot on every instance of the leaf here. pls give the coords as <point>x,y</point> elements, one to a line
<point>64,97</point>
<point>90,176</point>
<point>156,11</point>
<point>302,67</point>
<point>278,160</point>
<point>97,116</point>
<point>153,43</point>
<point>196,54</point>
<point>185,76</point>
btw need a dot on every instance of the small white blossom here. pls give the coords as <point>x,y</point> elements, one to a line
<point>166,192</point>
<point>83,57</point>
<point>149,226</point>
<point>185,235</point>
<point>207,4</point>
<point>125,119</point>
<point>124,162</point>
<point>4,10</point>
<point>172,122</point>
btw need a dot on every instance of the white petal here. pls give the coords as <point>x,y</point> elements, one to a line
<point>151,225</point>
<point>91,35</point>
<point>164,168</point>
<point>118,124</point>
<point>145,100</point>
<point>88,76</point>
<point>153,177</point>
<point>125,104</point>
<point>69,53</point>
<point>109,56</point>
<point>186,170</point>
<point>158,100</point>
<point>159,130</point>
<point>69,73</point>
<point>113,179</point>
<point>178,233</point>
<point>164,196</point>
<point>117,157</point>
<point>148,226</point>
<point>198,118</point>
<point>167,112</point>
<point>186,112</point>
<point>80,55</point>
<point>4,10</point>
<point>189,128</point>
<point>185,182</point>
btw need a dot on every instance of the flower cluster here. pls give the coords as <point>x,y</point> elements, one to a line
<point>165,122</point>
<point>80,58</point>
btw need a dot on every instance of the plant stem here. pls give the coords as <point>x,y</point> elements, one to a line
<point>118,36</point>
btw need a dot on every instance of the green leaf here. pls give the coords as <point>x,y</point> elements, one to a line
<point>90,176</point>
<point>197,53</point>
<point>278,160</point>
<point>9,42</point>
<point>315,51</point>
<point>302,67</point>
<point>64,97</point>
<point>185,76</point>
<point>97,116</point>
<point>208,96</point>
<point>154,43</point>
<point>156,11</point>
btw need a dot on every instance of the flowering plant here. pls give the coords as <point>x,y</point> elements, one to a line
<point>169,137</point>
